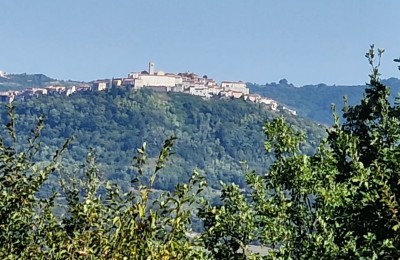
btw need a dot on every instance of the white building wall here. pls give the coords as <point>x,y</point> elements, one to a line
<point>215,90</point>
<point>178,80</point>
<point>158,81</point>
<point>138,83</point>
<point>203,92</point>
<point>235,86</point>
<point>270,102</point>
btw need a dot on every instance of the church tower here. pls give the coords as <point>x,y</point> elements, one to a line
<point>152,67</point>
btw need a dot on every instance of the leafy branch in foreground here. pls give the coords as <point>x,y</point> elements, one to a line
<point>341,202</point>
<point>97,222</point>
<point>21,177</point>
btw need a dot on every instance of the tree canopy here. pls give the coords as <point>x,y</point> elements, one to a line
<point>340,201</point>
<point>214,136</point>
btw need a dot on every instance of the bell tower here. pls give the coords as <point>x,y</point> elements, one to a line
<point>152,67</point>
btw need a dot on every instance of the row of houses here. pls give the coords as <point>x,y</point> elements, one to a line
<point>190,83</point>
<point>186,82</point>
<point>9,96</point>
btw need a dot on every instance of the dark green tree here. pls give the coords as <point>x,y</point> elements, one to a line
<point>342,201</point>
<point>81,222</point>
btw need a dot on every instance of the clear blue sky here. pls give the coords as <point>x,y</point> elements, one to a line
<point>306,42</point>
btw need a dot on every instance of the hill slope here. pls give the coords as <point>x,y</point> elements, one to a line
<point>314,101</point>
<point>23,81</point>
<point>213,136</point>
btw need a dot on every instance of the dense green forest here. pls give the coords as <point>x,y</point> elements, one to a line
<point>214,136</point>
<point>314,101</point>
<point>339,201</point>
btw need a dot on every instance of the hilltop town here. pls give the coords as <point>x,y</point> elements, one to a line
<point>186,82</point>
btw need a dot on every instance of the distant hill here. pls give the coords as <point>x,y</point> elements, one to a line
<point>214,135</point>
<point>314,101</point>
<point>310,101</point>
<point>23,81</point>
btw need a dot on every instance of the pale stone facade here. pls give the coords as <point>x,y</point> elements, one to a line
<point>238,86</point>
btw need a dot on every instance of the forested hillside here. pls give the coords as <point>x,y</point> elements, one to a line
<point>339,201</point>
<point>314,101</point>
<point>214,136</point>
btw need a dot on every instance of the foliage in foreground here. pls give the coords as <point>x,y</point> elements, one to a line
<point>117,226</point>
<point>341,202</point>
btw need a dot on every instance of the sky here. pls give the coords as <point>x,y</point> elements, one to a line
<point>260,41</point>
